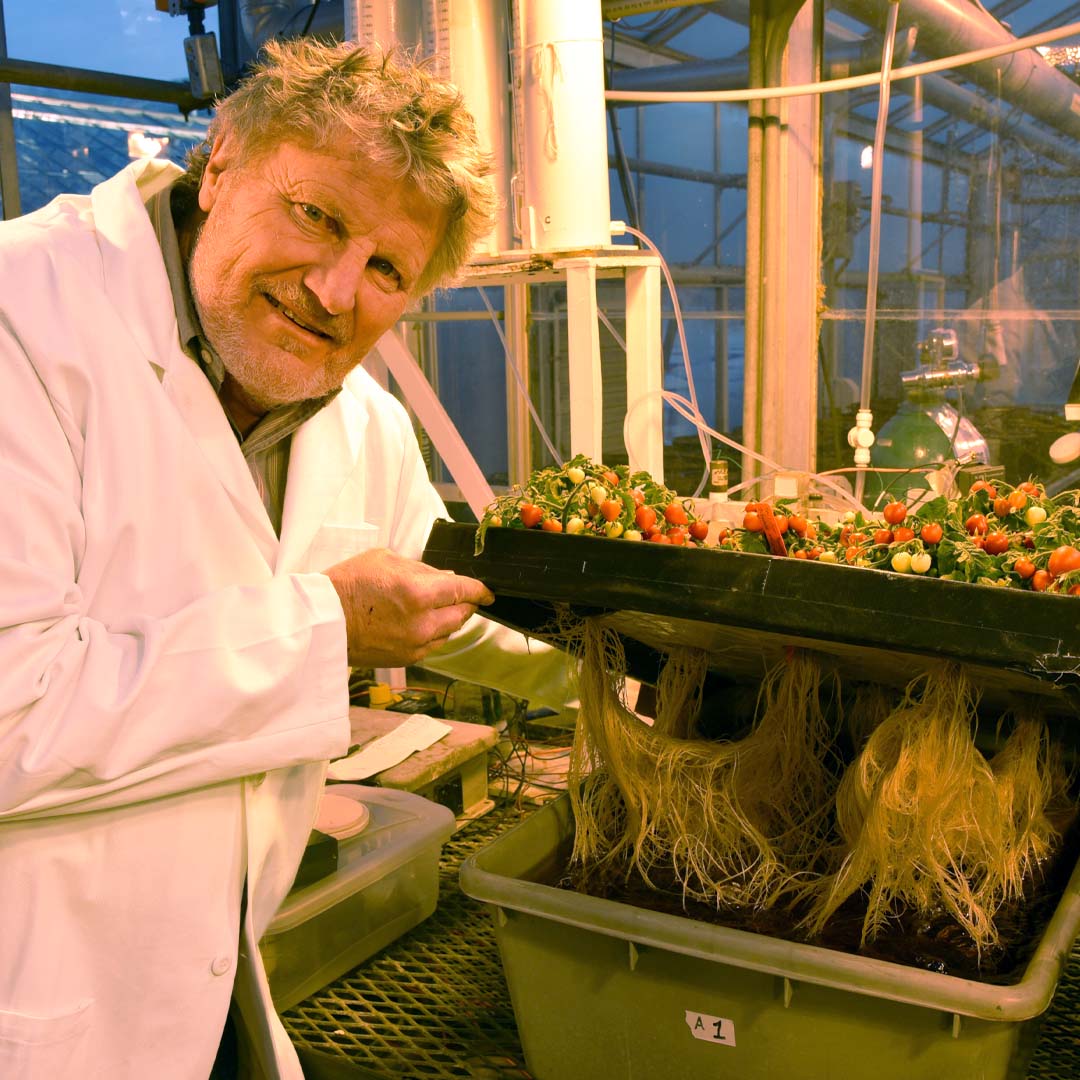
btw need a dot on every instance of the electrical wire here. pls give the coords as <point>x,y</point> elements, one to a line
<point>512,368</point>
<point>703,438</point>
<point>873,257</point>
<point>853,82</point>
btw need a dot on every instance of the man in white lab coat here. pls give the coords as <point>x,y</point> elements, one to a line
<point>207,513</point>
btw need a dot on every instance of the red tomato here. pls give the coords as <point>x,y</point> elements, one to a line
<point>1029,541</point>
<point>676,536</point>
<point>611,478</point>
<point>551,524</point>
<point>1017,500</point>
<point>782,523</point>
<point>1041,579</point>
<point>1064,559</point>
<point>722,535</point>
<point>658,538</point>
<point>800,554</point>
<point>1028,487</point>
<point>895,512</point>
<point>751,521</point>
<point>699,529</point>
<point>1001,506</point>
<point>931,533</point>
<point>851,554</point>
<point>638,496</point>
<point>996,543</point>
<point>857,538</point>
<point>811,533</point>
<point>1074,590</point>
<point>675,514</point>
<point>903,533</point>
<point>982,485</point>
<point>645,516</point>
<point>1024,567</point>
<point>814,553</point>
<point>530,515</point>
<point>611,509</point>
<point>976,524</point>
<point>882,536</point>
<point>798,524</point>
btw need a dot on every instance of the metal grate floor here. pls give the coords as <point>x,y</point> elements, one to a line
<point>434,1004</point>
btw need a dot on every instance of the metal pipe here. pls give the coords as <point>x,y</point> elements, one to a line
<point>849,58</point>
<point>9,162</point>
<point>948,27</point>
<point>31,73</point>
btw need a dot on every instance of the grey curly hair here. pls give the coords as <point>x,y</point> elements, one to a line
<point>400,117</point>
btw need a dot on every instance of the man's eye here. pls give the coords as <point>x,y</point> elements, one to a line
<point>385,268</point>
<point>313,213</point>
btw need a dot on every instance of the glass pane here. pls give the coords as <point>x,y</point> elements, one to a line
<point>125,37</point>
<point>67,142</point>
<point>976,337</point>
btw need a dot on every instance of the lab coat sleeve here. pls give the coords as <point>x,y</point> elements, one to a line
<point>237,681</point>
<point>483,651</point>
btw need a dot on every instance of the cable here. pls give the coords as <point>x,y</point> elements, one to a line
<point>706,448</point>
<point>873,256</point>
<point>512,368</point>
<point>854,82</point>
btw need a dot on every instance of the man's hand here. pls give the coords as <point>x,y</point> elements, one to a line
<point>397,610</point>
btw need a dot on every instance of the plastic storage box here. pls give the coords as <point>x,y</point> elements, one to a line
<point>606,990</point>
<point>386,883</point>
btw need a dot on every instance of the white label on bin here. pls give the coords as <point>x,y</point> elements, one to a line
<point>712,1029</point>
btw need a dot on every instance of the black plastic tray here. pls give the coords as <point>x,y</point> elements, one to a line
<point>746,609</point>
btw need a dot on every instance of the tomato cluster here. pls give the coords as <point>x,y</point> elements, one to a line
<point>996,534</point>
<point>589,499</point>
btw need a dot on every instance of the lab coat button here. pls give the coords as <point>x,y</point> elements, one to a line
<point>221,965</point>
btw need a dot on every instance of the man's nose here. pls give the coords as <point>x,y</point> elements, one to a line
<point>335,278</point>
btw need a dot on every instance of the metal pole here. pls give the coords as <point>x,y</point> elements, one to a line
<point>31,73</point>
<point>9,164</point>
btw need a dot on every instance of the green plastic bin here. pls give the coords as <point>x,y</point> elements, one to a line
<point>603,990</point>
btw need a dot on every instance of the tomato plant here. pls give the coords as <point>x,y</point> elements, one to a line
<point>1041,580</point>
<point>1024,567</point>
<point>531,515</point>
<point>675,514</point>
<point>931,533</point>
<point>1064,559</point>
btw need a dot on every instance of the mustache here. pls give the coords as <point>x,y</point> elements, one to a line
<point>306,307</point>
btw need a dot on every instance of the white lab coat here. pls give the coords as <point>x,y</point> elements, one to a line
<point>172,678</point>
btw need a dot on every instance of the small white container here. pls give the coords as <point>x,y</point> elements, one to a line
<point>387,881</point>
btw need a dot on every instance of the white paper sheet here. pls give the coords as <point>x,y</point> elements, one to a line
<point>416,732</point>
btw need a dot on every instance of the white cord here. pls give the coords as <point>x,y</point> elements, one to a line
<point>617,229</point>
<point>512,368</point>
<point>854,82</point>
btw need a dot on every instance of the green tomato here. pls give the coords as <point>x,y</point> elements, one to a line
<point>827,556</point>
<point>901,562</point>
<point>575,525</point>
<point>631,534</point>
<point>575,475</point>
<point>598,493</point>
<point>614,529</point>
<point>920,562</point>
<point>1034,515</point>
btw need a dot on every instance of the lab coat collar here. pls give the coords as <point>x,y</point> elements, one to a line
<point>322,457</point>
<point>138,287</point>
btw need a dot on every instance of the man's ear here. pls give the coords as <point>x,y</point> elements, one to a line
<point>220,160</point>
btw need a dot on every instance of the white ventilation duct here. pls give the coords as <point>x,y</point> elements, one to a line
<point>559,70</point>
